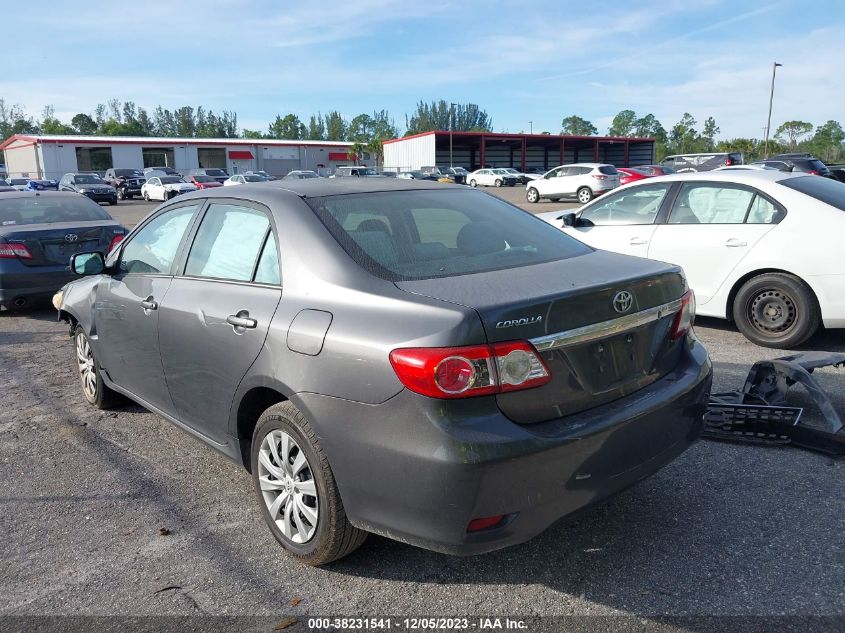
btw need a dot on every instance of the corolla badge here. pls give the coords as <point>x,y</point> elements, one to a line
<point>622,301</point>
<point>524,321</point>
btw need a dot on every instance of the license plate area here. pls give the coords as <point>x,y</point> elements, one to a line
<point>60,252</point>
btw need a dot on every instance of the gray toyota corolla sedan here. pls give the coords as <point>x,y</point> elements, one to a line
<point>421,361</point>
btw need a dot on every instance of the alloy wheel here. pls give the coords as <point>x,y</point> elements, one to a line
<point>288,486</point>
<point>584,196</point>
<point>85,363</point>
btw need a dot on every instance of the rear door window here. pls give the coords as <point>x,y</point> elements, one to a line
<point>423,234</point>
<point>228,243</point>
<point>706,203</point>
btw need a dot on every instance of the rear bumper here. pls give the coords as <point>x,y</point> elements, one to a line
<point>31,283</point>
<point>419,470</point>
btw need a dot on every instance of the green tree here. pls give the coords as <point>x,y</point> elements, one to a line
<point>577,126</point>
<point>83,124</point>
<point>360,129</point>
<point>623,124</point>
<point>827,141</point>
<point>14,120</point>
<point>316,128</point>
<point>708,135</point>
<point>51,125</point>
<point>791,131</point>
<point>442,115</point>
<point>287,127</point>
<point>255,134</point>
<point>683,136</point>
<point>335,126</point>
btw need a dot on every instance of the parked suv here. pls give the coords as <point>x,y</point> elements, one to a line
<point>220,175</point>
<point>343,172</point>
<point>582,181</point>
<point>127,182</point>
<point>806,163</point>
<point>90,185</point>
<point>701,162</point>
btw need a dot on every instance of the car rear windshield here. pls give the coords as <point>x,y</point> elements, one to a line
<point>48,210</point>
<point>132,173</point>
<point>215,172</point>
<point>826,190</point>
<point>608,170</point>
<point>201,178</point>
<point>170,180</point>
<point>410,235</point>
<point>817,165</point>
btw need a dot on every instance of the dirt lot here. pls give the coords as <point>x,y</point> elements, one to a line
<point>725,530</point>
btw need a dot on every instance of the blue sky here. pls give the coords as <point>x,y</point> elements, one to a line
<point>521,61</point>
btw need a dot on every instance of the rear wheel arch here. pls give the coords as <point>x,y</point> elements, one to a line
<point>253,403</point>
<point>739,283</point>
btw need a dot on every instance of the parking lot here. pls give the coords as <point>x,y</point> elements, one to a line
<point>118,512</point>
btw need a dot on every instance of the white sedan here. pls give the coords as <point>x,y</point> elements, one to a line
<point>242,179</point>
<point>760,248</point>
<point>165,187</point>
<point>491,177</point>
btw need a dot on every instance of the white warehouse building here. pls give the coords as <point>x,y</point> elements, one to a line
<point>52,156</point>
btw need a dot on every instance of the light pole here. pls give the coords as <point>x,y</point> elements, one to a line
<point>769,121</point>
<point>451,126</point>
<point>531,127</point>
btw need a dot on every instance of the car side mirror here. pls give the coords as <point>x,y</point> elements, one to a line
<point>87,263</point>
<point>569,219</point>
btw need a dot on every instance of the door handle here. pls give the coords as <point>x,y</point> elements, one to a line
<point>734,243</point>
<point>637,241</point>
<point>241,319</point>
<point>149,304</point>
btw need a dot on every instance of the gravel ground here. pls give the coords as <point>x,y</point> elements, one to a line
<point>723,530</point>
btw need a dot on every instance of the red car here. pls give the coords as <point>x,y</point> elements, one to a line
<point>203,182</point>
<point>631,174</point>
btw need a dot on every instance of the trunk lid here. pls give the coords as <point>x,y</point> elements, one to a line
<point>52,244</point>
<point>595,352</point>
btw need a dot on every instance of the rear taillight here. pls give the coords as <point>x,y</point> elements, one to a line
<point>728,162</point>
<point>813,172</point>
<point>685,316</point>
<point>12,250</point>
<point>476,370</point>
<point>599,176</point>
<point>117,239</point>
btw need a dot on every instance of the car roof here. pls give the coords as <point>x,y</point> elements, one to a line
<point>32,194</point>
<point>746,176</point>
<point>278,190</point>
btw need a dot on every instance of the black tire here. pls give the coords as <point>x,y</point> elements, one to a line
<point>96,392</point>
<point>584,195</point>
<point>120,194</point>
<point>146,196</point>
<point>776,310</point>
<point>472,183</point>
<point>112,202</point>
<point>334,537</point>
<point>498,182</point>
<point>532,195</point>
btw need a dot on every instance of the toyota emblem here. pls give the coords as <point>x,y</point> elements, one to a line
<point>622,301</point>
<point>71,237</point>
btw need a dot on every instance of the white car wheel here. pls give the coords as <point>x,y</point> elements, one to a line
<point>585,194</point>
<point>472,183</point>
<point>532,195</point>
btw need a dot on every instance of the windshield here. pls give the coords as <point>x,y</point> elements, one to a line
<point>133,173</point>
<point>204,179</point>
<point>215,172</point>
<point>423,234</point>
<point>18,181</point>
<point>87,179</point>
<point>253,178</point>
<point>49,209</point>
<point>829,191</point>
<point>170,180</point>
<point>501,172</point>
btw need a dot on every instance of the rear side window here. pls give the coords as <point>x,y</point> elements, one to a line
<point>703,203</point>
<point>608,170</point>
<point>228,243</point>
<point>825,190</point>
<point>409,235</point>
<point>816,165</point>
